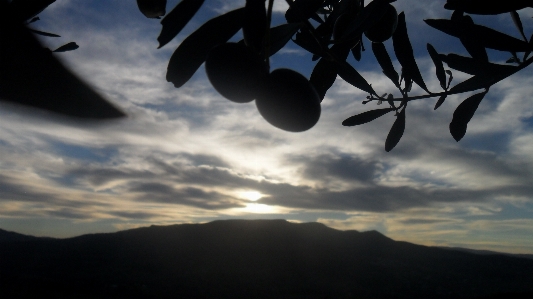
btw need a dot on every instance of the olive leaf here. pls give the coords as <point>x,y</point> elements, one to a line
<point>177,19</point>
<point>487,37</point>
<point>396,132</point>
<point>325,72</point>
<point>518,23</point>
<point>439,68</point>
<point>356,51</point>
<point>323,76</point>
<point>365,117</point>
<point>439,102</point>
<point>308,42</point>
<point>475,49</point>
<point>43,33</point>
<point>67,47</point>
<point>484,7</point>
<point>350,75</point>
<point>152,8</point>
<point>385,62</point>
<point>32,76</point>
<point>483,80</point>
<point>473,66</point>
<point>301,10</point>
<point>280,35</point>
<point>35,19</point>
<point>193,51</point>
<point>254,24</point>
<point>463,114</point>
<point>26,9</point>
<point>366,18</point>
<point>404,53</point>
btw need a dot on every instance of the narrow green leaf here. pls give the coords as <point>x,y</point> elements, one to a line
<point>473,66</point>
<point>193,51</point>
<point>487,37</point>
<point>365,117</point>
<point>308,42</point>
<point>396,132</point>
<point>439,102</point>
<point>350,75</point>
<point>439,68</point>
<point>474,83</point>
<point>484,7</point>
<point>32,76</point>
<point>404,52</point>
<point>177,19</point>
<point>323,76</point>
<point>518,23</point>
<point>67,47</point>
<point>475,49</point>
<point>463,114</point>
<point>152,8</point>
<point>281,35</point>
<point>356,51</point>
<point>485,79</point>
<point>325,72</point>
<point>385,62</point>
<point>43,33</point>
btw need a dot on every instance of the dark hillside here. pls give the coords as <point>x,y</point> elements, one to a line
<point>252,259</point>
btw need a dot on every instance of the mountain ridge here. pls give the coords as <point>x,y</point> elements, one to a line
<point>252,259</point>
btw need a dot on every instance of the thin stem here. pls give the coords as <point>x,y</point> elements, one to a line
<point>447,93</point>
<point>267,35</point>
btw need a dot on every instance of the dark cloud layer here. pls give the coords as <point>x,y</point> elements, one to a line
<point>337,166</point>
<point>189,196</point>
<point>13,191</point>
<point>187,183</point>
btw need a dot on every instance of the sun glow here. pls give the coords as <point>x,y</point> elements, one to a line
<point>251,195</point>
<point>258,208</point>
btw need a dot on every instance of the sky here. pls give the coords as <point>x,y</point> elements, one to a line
<point>188,155</point>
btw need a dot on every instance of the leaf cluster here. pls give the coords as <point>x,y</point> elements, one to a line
<point>330,30</point>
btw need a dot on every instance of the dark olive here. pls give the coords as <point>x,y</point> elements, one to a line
<point>236,72</point>
<point>289,102</point>
<point>152,8</point>
<point>385,27</point>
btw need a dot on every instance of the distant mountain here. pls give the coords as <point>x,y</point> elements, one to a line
<point>7,236</point>
<point>253,259</point>
<point>489,252</point>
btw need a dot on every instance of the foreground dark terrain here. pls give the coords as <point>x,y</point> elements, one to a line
<point>251,259</point>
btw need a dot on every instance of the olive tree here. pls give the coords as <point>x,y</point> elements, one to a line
<point>331,30</point>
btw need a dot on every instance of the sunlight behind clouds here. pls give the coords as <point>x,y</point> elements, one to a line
<point>189,155</point>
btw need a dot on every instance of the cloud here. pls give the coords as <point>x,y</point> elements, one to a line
<point>183,154</point>
<point>335,166</point>
<point>188,196</point>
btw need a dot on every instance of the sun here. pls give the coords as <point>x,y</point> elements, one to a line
<point>251,195</point>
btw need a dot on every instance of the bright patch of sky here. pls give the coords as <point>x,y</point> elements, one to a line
<point>188,155</point>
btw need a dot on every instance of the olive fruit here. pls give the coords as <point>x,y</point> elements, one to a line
<point>385,27</point>
<point>236,72</point>
<point>289,102</point>
<point>152,8</point>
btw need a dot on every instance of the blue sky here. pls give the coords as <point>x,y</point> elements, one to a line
<point>188,155</point>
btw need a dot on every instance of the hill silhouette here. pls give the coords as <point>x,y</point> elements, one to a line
<point>251,259</point>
